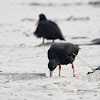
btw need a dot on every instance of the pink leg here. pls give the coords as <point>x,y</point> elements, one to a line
<point>53,42</point>
<point>59,69</point>
<point>41,43</point>
<point>73,70</point>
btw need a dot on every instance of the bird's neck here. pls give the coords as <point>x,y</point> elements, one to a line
<point>42,19</point>
<point>55,62</point>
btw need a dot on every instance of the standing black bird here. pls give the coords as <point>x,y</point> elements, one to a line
<point>61,53</point>
<point>47,29</point>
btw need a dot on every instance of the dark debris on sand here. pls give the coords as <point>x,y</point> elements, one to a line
<point>96,41</point>
<point>94,3</point>
<point>98,68</point>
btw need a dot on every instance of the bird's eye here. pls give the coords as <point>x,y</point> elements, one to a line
<point>54,66</point>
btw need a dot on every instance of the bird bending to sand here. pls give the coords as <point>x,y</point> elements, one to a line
<point>61,54</point>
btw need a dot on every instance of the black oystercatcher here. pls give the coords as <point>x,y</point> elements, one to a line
<point>47,29</point>
<point>61,54</point>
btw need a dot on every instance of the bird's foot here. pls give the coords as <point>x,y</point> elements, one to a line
<point>73,75</point>
<point>40,45</point>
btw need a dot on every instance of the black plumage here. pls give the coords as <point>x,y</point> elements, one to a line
<point>47,29</point>
<point>61,54</point>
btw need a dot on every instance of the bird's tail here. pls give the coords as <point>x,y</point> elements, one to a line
<point>62,38</point>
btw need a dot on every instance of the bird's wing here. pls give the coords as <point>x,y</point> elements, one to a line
<point>43,29</point>
<point>56,29</point>
<point>57,52</point>
<point>70,50</point>
<point>54,26</point>
<point>49,29</point>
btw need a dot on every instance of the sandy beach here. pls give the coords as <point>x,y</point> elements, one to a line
<point>21,60</point>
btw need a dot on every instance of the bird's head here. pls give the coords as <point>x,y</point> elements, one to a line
<point>52,65</point>
<point>41,18</point>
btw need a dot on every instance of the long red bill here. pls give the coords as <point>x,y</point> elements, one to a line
<point>37,23</point>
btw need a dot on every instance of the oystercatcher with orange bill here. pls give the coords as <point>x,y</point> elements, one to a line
<point>47,29</point>
<point>61,54</point>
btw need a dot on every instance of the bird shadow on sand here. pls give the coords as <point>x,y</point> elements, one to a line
<point>48,44</point>
<point>44,44</point>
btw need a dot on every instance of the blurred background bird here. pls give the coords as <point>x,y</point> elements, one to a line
<point>47,29</point>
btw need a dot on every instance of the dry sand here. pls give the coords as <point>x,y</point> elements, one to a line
<point>79,22</point>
